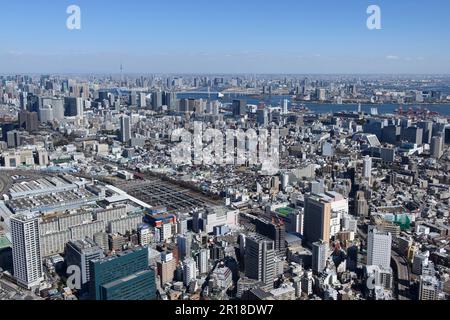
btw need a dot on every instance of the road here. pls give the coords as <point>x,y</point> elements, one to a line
<point>403,276</point>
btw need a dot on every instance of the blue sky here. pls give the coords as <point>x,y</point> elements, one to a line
<point>233,36</point>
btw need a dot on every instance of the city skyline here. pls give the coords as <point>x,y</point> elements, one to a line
<point>290,37</point>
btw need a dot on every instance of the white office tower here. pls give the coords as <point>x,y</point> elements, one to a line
<point>285,106</point>
<point>27,261</point>
<point>202,261</point>
<point>189,271</point>
<point>367,167</point>
<point>339,210</point>
<point>142,99</point>
<point>58,108</point>
<point>144,235</point>
<point>46,114</point>
<point>379,248</point>
<point>125,128</point>
<point>80,107</point>
<point>284,177</point>
<point>319,256</point>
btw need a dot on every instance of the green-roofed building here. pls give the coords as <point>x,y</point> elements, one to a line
<point>285,212</point>
<point>403,220</point>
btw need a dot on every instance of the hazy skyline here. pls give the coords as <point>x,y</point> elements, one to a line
<point>320,37</point>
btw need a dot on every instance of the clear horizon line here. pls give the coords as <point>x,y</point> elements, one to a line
<point>225,73</point>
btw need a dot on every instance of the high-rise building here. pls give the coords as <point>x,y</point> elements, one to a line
<point>157,100</point>
<point>307,283</point>
<point>58,108</point>
<point>186,105</point>
<point>437,147</point>
<point>166,269</point>
<point>33,103</point>
<point>73,107</point>
<point>260,259</point>
<point>390,134</point>
<point>262,117</point>
<point>352,257</point>
<point>202,261</point>
<point>412,135</point>
<point>189,271</point>
<point>427,127</point>
<point>317,187</point>
<point>447,134</point>
<point>361,206</point>
<point>418,96</point>
<point>295,222</point>
<point>118,104</point>
<point>320,94</point>
<point>428,288</point>
<point>241,240</point>
<point>379,277</point>
<point>182,226</point>
<point>387,154</point>
<point>133,98</point>
<point>27,262</point>
<point>319,256</point>
<point>379,248</point>
<point>13,139</point>
<point>6,128</point>
<point>79,253</point>
<point>23,100</point>
<point>42,157</point>
<point>26,120</point>
<point>223,277</point>
<point>184,245</point>
<point>275,231</point>
<point>144,234</point>
<point>170,100</point>
<point>142,99</point>
<point>420,262</point>
<point>125,128</point>
<point>367,168</point>
<point>354,90</point>
<point>46,114</point>
<point>239,107</point>
<point>285,106</point>
<point>125,276</point>
<point>317,219</point>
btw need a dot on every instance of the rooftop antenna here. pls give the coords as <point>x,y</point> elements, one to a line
<point>121,73</point>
